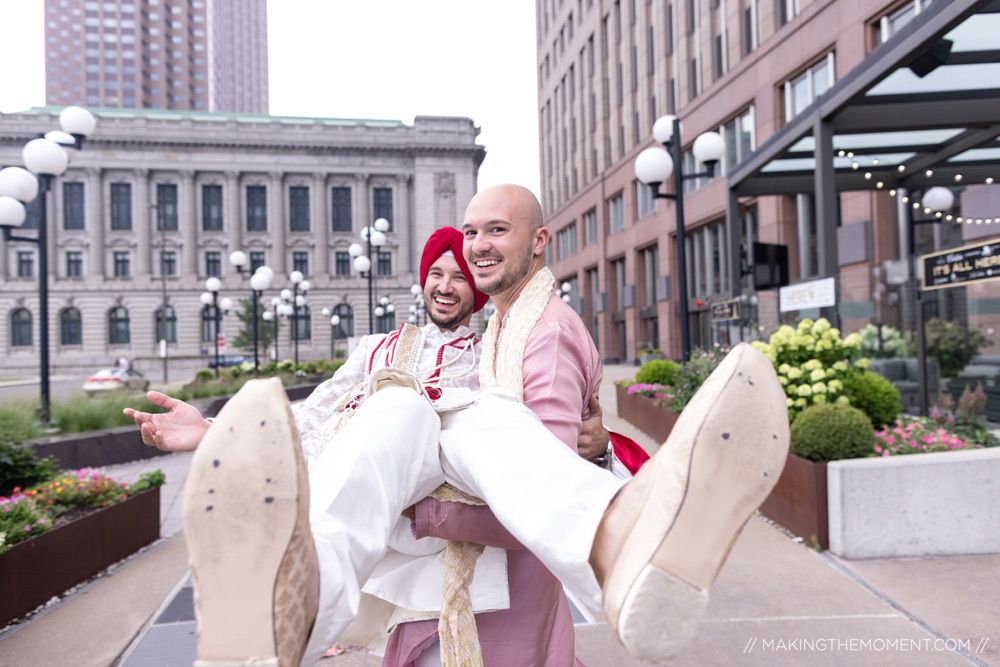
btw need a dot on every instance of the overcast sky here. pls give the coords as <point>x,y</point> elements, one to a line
<point>391,59</point>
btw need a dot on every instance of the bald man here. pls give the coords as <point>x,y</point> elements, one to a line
<point>648,551</point>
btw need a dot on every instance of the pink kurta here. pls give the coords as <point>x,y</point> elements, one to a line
<point>561,370</point>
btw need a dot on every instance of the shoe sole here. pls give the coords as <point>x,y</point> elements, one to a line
<point>240,508</point>
<point>726,451</point>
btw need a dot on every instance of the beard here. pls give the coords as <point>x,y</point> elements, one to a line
<point>451,321</point>
<point>513,271</point>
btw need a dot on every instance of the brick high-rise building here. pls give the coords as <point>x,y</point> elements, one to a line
<point>208,55</point>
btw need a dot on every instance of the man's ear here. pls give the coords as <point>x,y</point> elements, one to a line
<point>540,240</point>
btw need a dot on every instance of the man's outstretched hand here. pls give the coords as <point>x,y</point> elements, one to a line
<point>178,430</point>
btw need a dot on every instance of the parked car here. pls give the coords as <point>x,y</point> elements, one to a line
<point>227,360</point>
<point>115,379</point>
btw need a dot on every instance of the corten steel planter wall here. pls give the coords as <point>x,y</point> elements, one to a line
<point>654,420</point>
<point>799,500</point>
<point>96,449</point>
<point>296,393</point>
<point>35,570</point>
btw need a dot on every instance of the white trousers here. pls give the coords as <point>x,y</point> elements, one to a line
<point>396,449</point>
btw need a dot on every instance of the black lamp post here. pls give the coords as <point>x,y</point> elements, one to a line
<point>45,159</point>
<point>374,237</point>
<point>334,330</point>
<point>654,166</point>
<point>277,311</point>
<point>259,281</point>
<point>298,301</point>
<point>211,298</point>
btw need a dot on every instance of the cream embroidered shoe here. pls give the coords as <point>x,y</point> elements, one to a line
<point>666,535</point>
<point>246,523</point>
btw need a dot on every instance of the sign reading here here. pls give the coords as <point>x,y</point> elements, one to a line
<point>962,266</point>
<point>814,294</point>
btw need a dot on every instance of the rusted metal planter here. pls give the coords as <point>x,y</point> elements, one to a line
<point>35,570</point>
<point>654,420</point>
<point>799,500</point>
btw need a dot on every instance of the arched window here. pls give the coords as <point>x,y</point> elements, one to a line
<point>303,323</point>
<point>385,323</point>
<point>20,328</point>
<point>70,327</point>
<point>118,326</point>
<point>209,324</point>
<point>346,327</point>
<point>170,332</point>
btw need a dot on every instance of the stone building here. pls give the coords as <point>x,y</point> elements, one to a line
<point>770,76</point>
<point>156,201</point>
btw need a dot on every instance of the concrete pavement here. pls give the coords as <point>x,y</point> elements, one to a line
<point>776,602</point>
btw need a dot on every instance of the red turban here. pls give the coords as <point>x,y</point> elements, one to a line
<point>442,240</point>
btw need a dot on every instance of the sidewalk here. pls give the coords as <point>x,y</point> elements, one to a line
<point>776,602</point>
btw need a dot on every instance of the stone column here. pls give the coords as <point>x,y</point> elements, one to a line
<point>231,214</point>
<point>143,221</point>
<point>404,226</point>
<point>94,199</point>
<point>320,222</point>
<point>188,216</point>
<point>361,199</point>
<point>276,220</point>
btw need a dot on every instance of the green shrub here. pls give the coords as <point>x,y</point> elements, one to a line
<point>830,432</point>
<point>694,374</point>
<point>18,423</point>
<point>659,371</point>
<point>874,395</point>
<point>148,480</point>
<point>952,344</point>
<point>87,414</point>
<point>20,466</point>
<point>894,344</point>
<point>204,375</point>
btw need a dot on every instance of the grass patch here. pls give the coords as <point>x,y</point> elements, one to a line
<point>88,414</point>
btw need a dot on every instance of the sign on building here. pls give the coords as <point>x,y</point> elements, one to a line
<point>962,266</point>
<point>814,294</point>
<point>724,311</point>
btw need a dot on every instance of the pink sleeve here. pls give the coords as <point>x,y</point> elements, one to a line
<point>555,381</point>
<point>458,521</point>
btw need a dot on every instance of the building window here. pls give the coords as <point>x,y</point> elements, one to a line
<point>166,207</point>
<point>298,209</point>
<point>300,262</point>
<point>303,323</point>
<point>566,241</point>
<point>256,261</point>
<point>70,327</point>
<point>168,263</point>
<point>382,199</point>
<point>801,91</point>
<point>651,266</point>
<point>340,200</point>
<point>256,208</point>
<point>73,206</point>
<point>890,24</point>
<point>616,213</point>
<point>170,333</point>
<point>122,264</point>
<point>25,264</point>
<point>789,9</point>
<point>211,208</point>
<point>385,323</point>
<point>751,26</point>
<point>590,227</point>
<point>343,264</point>
<point>20,328</point>
<point>121,206</point>
<point>384,263</point>
<point>209,321</point>
<point>74,264</point>
<point>213,263</point>
<point>118,326</point>
<point>645,197</point>
<point>740,137</point>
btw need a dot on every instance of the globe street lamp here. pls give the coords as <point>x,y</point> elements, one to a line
<point>418,306</point>
<point>211,298</point>
<point>299,301</point>
<point>653,166</point>
<point>259,281</point>
<point>45,159</point>
<point>374,237</point>
<point>383,308</point>
<point>334,330</point>
<point>278,311</point>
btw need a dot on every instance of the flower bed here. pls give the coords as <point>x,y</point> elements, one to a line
<point>32,571</point>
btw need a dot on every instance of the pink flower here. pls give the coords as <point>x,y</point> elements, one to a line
<point>28,528</point>
<point>913,443</point>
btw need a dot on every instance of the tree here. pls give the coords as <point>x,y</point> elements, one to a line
<point>265,329</point>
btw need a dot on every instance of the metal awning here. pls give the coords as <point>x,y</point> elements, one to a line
<point>889,128</point>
